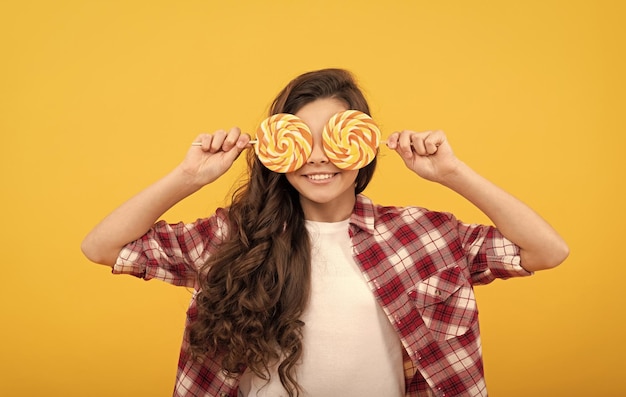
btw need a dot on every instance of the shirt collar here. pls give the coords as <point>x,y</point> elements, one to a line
<point>363,215</point>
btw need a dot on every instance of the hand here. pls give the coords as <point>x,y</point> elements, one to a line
<point>215,156</point>
<point>428,154</point>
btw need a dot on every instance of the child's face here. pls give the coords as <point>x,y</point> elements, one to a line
<point>323,187</point>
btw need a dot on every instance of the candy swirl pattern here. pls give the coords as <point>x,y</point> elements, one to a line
<point>351,139</point>
<point>284,143</point>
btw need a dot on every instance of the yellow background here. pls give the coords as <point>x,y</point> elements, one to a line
<point>100,98</point>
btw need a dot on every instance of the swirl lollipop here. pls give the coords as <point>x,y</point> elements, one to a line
<point>351,139</point>
<point>284,143</point>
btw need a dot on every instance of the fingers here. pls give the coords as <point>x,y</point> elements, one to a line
<point>407,142</point>
<point>222,141</point>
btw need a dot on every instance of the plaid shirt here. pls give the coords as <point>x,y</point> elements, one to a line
<point>420,265</point>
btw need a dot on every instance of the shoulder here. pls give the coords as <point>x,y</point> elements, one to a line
<point>214,226</point>
<point>382,219</point>
<point>218,221</point>
<point>383,213</point>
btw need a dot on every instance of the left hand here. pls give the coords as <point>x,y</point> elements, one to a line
<point>428,153</point>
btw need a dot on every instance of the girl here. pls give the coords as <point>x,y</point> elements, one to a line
<point>303,286</point>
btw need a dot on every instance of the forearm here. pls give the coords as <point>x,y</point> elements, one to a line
<point>541,246</point>
<point>134,218</point>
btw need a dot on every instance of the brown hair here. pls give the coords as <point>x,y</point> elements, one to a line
<point>254,290</point>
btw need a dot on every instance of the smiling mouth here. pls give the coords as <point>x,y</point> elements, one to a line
<point>320,177</point>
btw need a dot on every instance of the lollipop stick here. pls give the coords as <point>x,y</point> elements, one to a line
<point>255,141</point>
<point>200,143</point>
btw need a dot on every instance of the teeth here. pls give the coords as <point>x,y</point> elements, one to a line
<point>319,177</point>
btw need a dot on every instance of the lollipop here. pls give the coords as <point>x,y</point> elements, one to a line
<point>351,139</point>
<point>284,143</point>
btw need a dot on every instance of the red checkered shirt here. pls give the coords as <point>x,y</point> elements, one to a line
<point>419,264</point>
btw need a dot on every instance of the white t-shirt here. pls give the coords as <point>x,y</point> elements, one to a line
<point>350,348</point>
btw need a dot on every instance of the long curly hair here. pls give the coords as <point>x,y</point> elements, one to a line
<point>253,291</point>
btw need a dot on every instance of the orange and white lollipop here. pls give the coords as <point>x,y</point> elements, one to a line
<point>351,139</point>
<point>284,143</point>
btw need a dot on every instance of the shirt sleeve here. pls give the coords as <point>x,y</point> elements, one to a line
<point>173,253</point>
<point>490,254</point>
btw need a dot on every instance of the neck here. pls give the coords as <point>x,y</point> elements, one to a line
<point>334,211</point>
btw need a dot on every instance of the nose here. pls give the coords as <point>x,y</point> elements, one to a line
<point>318,155</point>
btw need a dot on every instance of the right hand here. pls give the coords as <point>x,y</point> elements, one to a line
<point>206,163</point>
